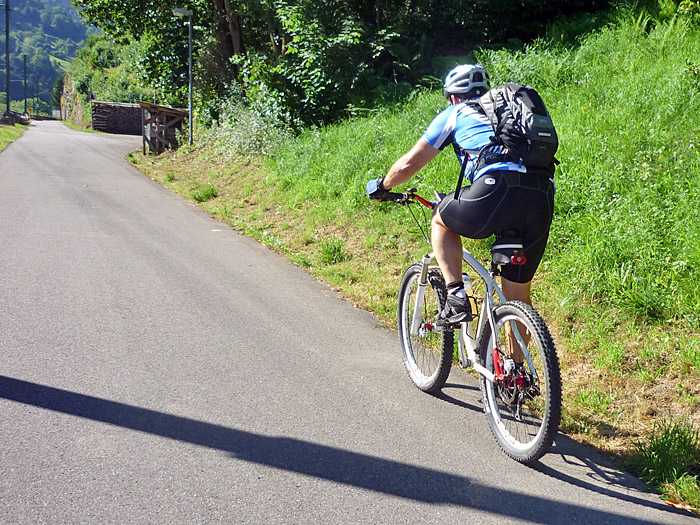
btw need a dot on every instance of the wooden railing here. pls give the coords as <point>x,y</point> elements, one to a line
<point>159,125</point>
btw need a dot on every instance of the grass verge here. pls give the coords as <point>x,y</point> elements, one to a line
<point>9,134</point>
<point>75,127</point>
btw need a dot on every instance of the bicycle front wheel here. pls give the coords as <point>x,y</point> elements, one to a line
<point>427,353</point>
<point>523,403</point>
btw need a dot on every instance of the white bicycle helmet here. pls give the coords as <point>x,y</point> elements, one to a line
<point>467,79</point>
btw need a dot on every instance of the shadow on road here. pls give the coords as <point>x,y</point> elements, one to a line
<point>443,395</point>
<point>323,462</point>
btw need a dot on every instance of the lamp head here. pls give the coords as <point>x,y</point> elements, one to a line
<point>181,12</point>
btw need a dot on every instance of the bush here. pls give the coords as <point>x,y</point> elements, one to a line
<point>246,126</point>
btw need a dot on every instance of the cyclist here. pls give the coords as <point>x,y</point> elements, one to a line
<point>503,196</point>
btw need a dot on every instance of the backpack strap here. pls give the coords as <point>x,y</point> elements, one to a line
<point>463,169</point>
<point>497,125</point>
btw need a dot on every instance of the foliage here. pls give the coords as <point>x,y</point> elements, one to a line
<point>245,126</point>
<point>338,59</point>
<point>690,9</point>
<point>163,41</point>
<point>103,70</point>
<point>108,71</point>
<point>49,33</point>
<point>626,235</point>
<point>306,79</point>
<point>502,20</point>
<point>319,60</point>
<point>57,91</point>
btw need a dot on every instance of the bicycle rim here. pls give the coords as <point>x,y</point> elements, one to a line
<point>524,406</point>
<point>428,354</point>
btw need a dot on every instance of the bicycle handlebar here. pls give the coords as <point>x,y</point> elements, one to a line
<point>407,197</point>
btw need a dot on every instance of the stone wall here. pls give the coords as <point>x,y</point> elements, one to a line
<point>72,105</point>
<point>114,117</point>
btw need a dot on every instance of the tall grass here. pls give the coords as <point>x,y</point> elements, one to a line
<point>326,170</point>
<point>671,459</point>
<point>626,103</point>
<point>627,107</point>
<point>245,128</point>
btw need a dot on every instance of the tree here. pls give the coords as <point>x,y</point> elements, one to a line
<point>316,58</point>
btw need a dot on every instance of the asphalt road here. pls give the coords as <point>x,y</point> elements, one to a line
<point>157,367</point>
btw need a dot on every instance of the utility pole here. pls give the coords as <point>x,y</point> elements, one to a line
<point>25,84</point>
<point>180,13</point>
<point>7,53</point>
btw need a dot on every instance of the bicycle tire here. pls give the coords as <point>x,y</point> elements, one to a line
<point>523,412</point>
<point>428,355</point>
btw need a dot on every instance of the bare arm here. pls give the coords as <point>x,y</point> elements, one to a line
<point>407,166</point>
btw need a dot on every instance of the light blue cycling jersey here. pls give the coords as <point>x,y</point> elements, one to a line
<point>471,130</point>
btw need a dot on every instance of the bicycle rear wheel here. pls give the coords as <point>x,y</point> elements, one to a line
<point>427,354</point>
<point>523,405</point>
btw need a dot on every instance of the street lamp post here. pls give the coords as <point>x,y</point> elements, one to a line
<point>180,13</point>
<point>25,84</point>
<point>7,53</point>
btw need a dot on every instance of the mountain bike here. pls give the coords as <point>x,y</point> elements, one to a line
<point>507,343</point>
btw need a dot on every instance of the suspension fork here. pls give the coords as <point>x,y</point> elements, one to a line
<point>420,293</point>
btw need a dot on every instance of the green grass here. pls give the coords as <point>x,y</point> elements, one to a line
<point>670,459</point>
<point>332,251</point>
<point>203,193</point>
<point>626,232</point>
<point>75,127</point>
<point>9,134</point>
<point>620,280</point>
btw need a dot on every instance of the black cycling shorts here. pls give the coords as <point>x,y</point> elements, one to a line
<point>505,200</point>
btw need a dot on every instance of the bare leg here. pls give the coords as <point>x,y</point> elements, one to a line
<point>516,292</point>
<point>448,249</point>
<point>448,252</point>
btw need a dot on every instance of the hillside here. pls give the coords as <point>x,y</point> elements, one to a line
<point>49,33</point>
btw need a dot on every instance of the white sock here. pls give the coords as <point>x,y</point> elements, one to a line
<point>460,293</point>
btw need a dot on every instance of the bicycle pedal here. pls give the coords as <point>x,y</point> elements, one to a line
<point>447,324</point>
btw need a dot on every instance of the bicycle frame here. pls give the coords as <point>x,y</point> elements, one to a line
<point>467,342</point>
<point>467,353</point>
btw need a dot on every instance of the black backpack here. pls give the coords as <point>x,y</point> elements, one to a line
<point>521,123</point>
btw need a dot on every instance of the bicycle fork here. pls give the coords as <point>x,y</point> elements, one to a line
<point>417,321</point>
